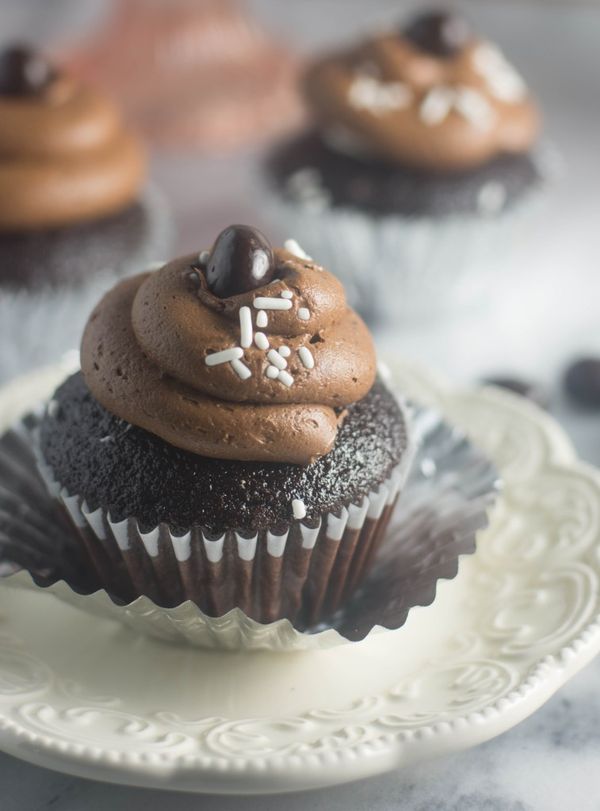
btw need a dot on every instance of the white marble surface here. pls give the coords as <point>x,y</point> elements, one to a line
<point>548,763</point>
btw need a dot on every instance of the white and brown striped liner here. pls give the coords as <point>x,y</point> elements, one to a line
<point>302,575</point>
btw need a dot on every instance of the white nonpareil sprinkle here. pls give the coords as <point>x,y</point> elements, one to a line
<point>292,246</point>
<point>272,372</point>
<point>156,265</point>
<point>503,80</point>
<point>287,294</point>
<point>474,106</point>
<point>436,105</point>
<point>262,303</point>
<point>306,357</point>
<point>261,341</point>
<point>368,93</point>
<point>298,508</point>
<point>285,378</point>
<point>491,197</point>
<point>245,327</point>
<point>284,351</point>
<point>203,258</point>
<point>276,359</point>
<point>303,314</point>
<point>241,370</point>
<point>225,356</point>
<point>262,319</point>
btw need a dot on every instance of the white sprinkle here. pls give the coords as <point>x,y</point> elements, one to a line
<point>203,258</point>
<point>276,359</point>
<point>491,197</point>
<point>306,357</point>
<point>225,356</point>
<point>262,303</point>
<point>368,93</point>
<point>241,369</point>
<point>287,294</point>
<point>308,178</point>
<point>298,508</point>
<point>262,319</point>
<point>53,408</point>
<point>292,246</point>
<point>261,340</point>
<point>106,439</point>
<point>272,372</point>
<point>245,327</point>
<point>503,80</point>
<point>474,106</point>
<point>303,314</point>
<point>285,378</point>
<point>284,351</point>
<point>436,105</point>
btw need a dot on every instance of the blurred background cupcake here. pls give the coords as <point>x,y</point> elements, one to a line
<point>210,78</point>
<point>422,162</point>
<point>74,207</point>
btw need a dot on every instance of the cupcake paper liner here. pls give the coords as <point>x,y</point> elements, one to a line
<point>396,267</point>
<point>44,323</point>
<point>301,573</point>
<point>444,504</point>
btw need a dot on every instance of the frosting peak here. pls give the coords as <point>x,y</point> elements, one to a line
<point>64,155</point>
<point>263,375</point>
<point>433,96</point>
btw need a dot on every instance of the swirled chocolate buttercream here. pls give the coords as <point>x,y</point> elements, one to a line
<point>242,352</point>
<point>65,156</point>
<point>432,96</point>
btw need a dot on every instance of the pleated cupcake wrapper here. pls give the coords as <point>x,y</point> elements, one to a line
<point>398,267</point>
<point>445,502</point>
<point>302,574</point>
<point>46,322</point>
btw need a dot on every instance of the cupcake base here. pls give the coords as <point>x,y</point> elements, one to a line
<point>71,256</point>
<point>45,312</point>
<point>407,246</point>
<point>444,504</point>
<point>168,524</point>
<point>307,169</point>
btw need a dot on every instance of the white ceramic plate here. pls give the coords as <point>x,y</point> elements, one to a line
<point>86,696</point>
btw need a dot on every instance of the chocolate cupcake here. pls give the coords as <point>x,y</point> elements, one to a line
<point>211,77</point>
<point>421,160</point>
<point>73,207</point>
<point>227,440</point>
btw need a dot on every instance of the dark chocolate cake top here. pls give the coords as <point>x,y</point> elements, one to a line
<point>132,473</point>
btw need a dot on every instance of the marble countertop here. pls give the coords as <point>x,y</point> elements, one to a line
<point>549,762</point>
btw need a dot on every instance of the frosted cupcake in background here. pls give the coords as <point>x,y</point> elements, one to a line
<point>74,210</point>
<point>193,73</point>
<point>422,162</point>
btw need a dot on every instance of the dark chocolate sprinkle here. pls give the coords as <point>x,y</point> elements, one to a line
<point>582,381</point>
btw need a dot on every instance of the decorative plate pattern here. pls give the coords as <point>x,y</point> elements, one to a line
<point>519,619</point>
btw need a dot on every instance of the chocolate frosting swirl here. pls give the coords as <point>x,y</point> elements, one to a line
<point>64,157</point>
<point>391,99</point>
<point>146,354</point>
